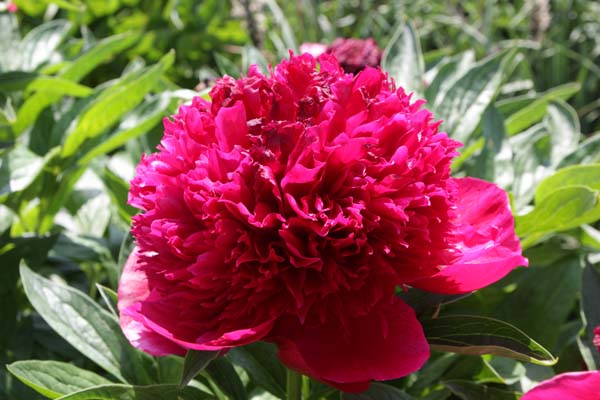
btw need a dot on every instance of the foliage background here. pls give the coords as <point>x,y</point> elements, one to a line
<point>84,85</point>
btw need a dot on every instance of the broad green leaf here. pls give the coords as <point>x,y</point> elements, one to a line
<point>494,163</point>
<point>93,218</point>
<point>12,81</point>
<point>587,152</point>
<point>403,60</point>
<point>463,104</point>
<point>261,363</point>
<point>224,376</point>
<point>54,378</point>
<point>562,209</point>
<point>378,391</point>
<point>563,126</point>
<point>18,168</point>
<point>112,104</point>
<point>58,86</point>
<point>446,73</point>
<point>134,124</point>
<point>529,115</point>
<point>85,325</point>
<point>118,190</point>
<point>110,297</point>
<point>472,391</point>
<point>577,175</point>
<point>75,71</point>
<point>531,160</point>
<point>195,361</point>
<point>102,51</point>
<point>41,42</point>
<point>127,392</point>
<point>476,369</point>
<point>475,335</point>
<point>590,314</point>
<point>544,296</point>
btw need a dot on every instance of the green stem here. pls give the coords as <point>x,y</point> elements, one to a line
<point>294,385</point>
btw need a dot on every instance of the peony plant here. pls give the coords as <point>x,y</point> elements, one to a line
<point>291,209</point>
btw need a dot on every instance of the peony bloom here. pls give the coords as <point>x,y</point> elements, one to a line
<point>596,339</point>
<point>355,54</point>
<point>291,208</point>
<point>314,49</point>
<point>568,386</point>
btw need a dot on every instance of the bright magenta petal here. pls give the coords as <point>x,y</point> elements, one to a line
<point>133,288</point>
<point>486,241</point>
<point>568,386</point>
<point>386,343</point>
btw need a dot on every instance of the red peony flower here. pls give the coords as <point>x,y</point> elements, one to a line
<point>12,7</point>
<point>596,339</point>
<point>568,386</point>
<point>355,54</point>
<point>291,208</point>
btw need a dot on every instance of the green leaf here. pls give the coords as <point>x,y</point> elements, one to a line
<point>403,60</point>
<point>494,163</point>
<point>75,71</point>
<point>545,297</point>
<point>118,191</point>
<point>472,391</point>
<point>563,125</point>
<point>475,335</point>
<point>110,297</point>
<point>127,392</point>
<point>587,152</point>
<point>526,116</point>
<point>58,86</point>
<point>462,105</point>
<point>85,325</point>
<point>195,361</point>
<point>446,73</point>
<point>18,169</point>
<point>137,122</point>
<point>260,361</point>
<point>223,374</point>
<point>54,378</point>
<point>101,52</point>
<point>41,42</point>
<point>562,209</point>
<point>590,314</point>
<point>378,391</point>
<point>113,103</point>
<point>577,175</point>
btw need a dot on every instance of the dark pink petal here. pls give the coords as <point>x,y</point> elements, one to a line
<point>386,343</point>
<point>133,288</point>
<point>486,241</point>
<point>568,386</point>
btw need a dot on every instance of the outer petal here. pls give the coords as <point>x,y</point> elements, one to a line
<point>568,386</point>
<point>486,239</point>
<point>385,344</point>
<point>133,288</point>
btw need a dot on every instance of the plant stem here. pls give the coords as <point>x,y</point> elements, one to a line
<point>294,385</point>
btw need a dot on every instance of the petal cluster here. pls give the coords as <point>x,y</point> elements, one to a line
<point>353,54</point>
<point>290,209</point>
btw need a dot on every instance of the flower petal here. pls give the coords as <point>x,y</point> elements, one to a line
<point>486,239</point>
<point>568,386</point>
<point>386,343</point>
<point>133,288</point>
